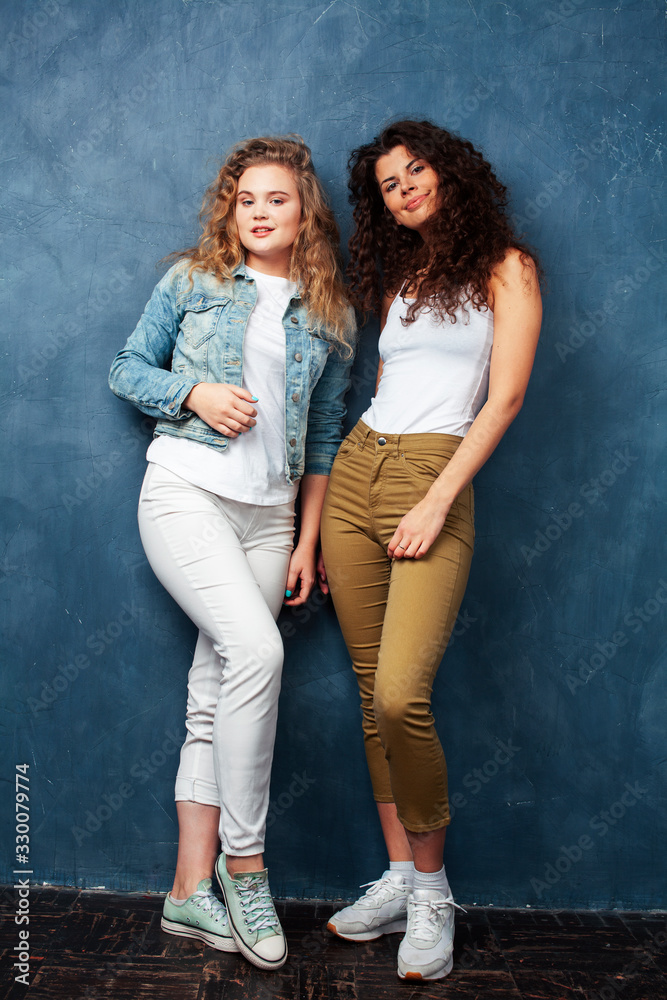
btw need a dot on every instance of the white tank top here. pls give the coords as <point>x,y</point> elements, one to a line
<point>435,375</point>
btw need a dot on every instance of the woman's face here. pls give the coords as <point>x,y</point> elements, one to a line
<point>409,187</point>
<point>268,215</point>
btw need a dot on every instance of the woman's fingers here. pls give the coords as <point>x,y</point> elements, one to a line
<point>226,408</point>
<point>417,531</point>
<point>409,548</point>
<point>404,549</point>
<point>227,431</point>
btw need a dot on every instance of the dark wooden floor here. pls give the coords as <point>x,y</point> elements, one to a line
<point>98,945</point>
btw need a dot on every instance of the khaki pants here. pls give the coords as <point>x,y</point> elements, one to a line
<point>396,615</point>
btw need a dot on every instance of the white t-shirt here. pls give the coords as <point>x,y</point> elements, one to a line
<point>435,375</point>
<point>252,467</point>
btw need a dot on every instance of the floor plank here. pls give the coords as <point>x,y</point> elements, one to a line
<point>90,945</point>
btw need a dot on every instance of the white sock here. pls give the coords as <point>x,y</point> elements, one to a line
<point>406,868</point>
<point>178,902</point>
<point>432,880</point>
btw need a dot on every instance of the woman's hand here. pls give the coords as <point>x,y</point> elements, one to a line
<point>418,529</point>
<point>300,575</point>
<point>225,408</point>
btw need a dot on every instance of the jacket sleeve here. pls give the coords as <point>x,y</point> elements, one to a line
<point>141,372</point>
<point>327,412</point>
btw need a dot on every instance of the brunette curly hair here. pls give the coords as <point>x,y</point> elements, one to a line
<point>315,259</point>
<point>466,238</point>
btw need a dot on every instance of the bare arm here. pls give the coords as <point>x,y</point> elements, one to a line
<point>517,307</point>
<point>385,305</point>
<point>301,574</point>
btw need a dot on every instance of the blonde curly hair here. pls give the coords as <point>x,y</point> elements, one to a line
<point>315,260</point>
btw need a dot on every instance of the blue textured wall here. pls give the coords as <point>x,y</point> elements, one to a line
<point>551,700</point>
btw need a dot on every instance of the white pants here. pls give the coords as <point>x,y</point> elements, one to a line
<point>225,563</point>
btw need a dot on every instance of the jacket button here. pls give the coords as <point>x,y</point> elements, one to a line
<point>298,357</point>
<point>292,442</point>
<point>295,397</point>
<point>294,319</point>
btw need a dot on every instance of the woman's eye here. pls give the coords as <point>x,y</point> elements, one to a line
<point>277,201</point>
<point>417,170</point>
<point>390,187</point>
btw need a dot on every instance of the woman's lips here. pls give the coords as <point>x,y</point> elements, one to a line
<point>415,202</point>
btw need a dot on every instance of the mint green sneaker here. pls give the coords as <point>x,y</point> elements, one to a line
<point>253,920</point>
<point>202,916</point>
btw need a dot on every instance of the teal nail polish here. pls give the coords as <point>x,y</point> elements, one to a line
<point>288,593</point>
<point>255,399</point>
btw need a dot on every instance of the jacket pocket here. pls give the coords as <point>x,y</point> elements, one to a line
<point>201,320</point>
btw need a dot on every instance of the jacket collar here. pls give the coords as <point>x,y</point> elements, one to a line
<point>240,272</point>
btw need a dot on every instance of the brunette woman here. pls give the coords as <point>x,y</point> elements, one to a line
<point>243,356</point>
<point>459,301</point>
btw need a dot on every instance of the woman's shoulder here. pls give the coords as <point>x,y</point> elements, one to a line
<point>186,280</point>
<point>517,271</point>
<point>515,276</point>
<point>516,265</point>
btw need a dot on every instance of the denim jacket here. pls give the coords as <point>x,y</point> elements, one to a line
<point>193,332</point>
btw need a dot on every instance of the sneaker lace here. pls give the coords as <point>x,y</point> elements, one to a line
<point>424,914</point>
<point>378,888</point>
<point>257,904</point>
<point>209,903</point>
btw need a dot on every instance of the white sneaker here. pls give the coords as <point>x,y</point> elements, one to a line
<point>426,950</point>
<point>381,910</point>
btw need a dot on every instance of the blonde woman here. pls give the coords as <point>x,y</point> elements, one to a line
<point>243,356</point>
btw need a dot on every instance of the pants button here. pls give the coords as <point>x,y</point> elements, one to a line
<point>382,440</point>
